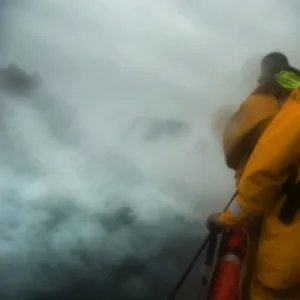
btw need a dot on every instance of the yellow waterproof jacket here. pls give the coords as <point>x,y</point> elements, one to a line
<point>260,192</point>
<point>244,128</point>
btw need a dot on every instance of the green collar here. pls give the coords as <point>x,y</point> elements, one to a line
<point>288,80</point>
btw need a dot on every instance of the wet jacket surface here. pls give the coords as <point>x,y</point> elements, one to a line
<point>244,128</point>
<point>260,192</point>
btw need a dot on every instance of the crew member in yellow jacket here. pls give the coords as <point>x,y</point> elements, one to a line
<point>245,127</point>
<point>270,187</point>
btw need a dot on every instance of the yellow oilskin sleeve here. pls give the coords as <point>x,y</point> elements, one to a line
<point>268,167</point>
<point>234,216</point>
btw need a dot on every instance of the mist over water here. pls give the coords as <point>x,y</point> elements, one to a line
<point>110,163</point>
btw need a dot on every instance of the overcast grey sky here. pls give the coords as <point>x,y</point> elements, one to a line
<point>130,89</point>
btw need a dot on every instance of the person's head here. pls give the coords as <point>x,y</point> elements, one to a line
<point>271,64</point>
<point>278,77</point>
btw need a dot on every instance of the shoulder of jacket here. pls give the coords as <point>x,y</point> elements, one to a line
<point>260,97</point>
<point>259,101</point>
